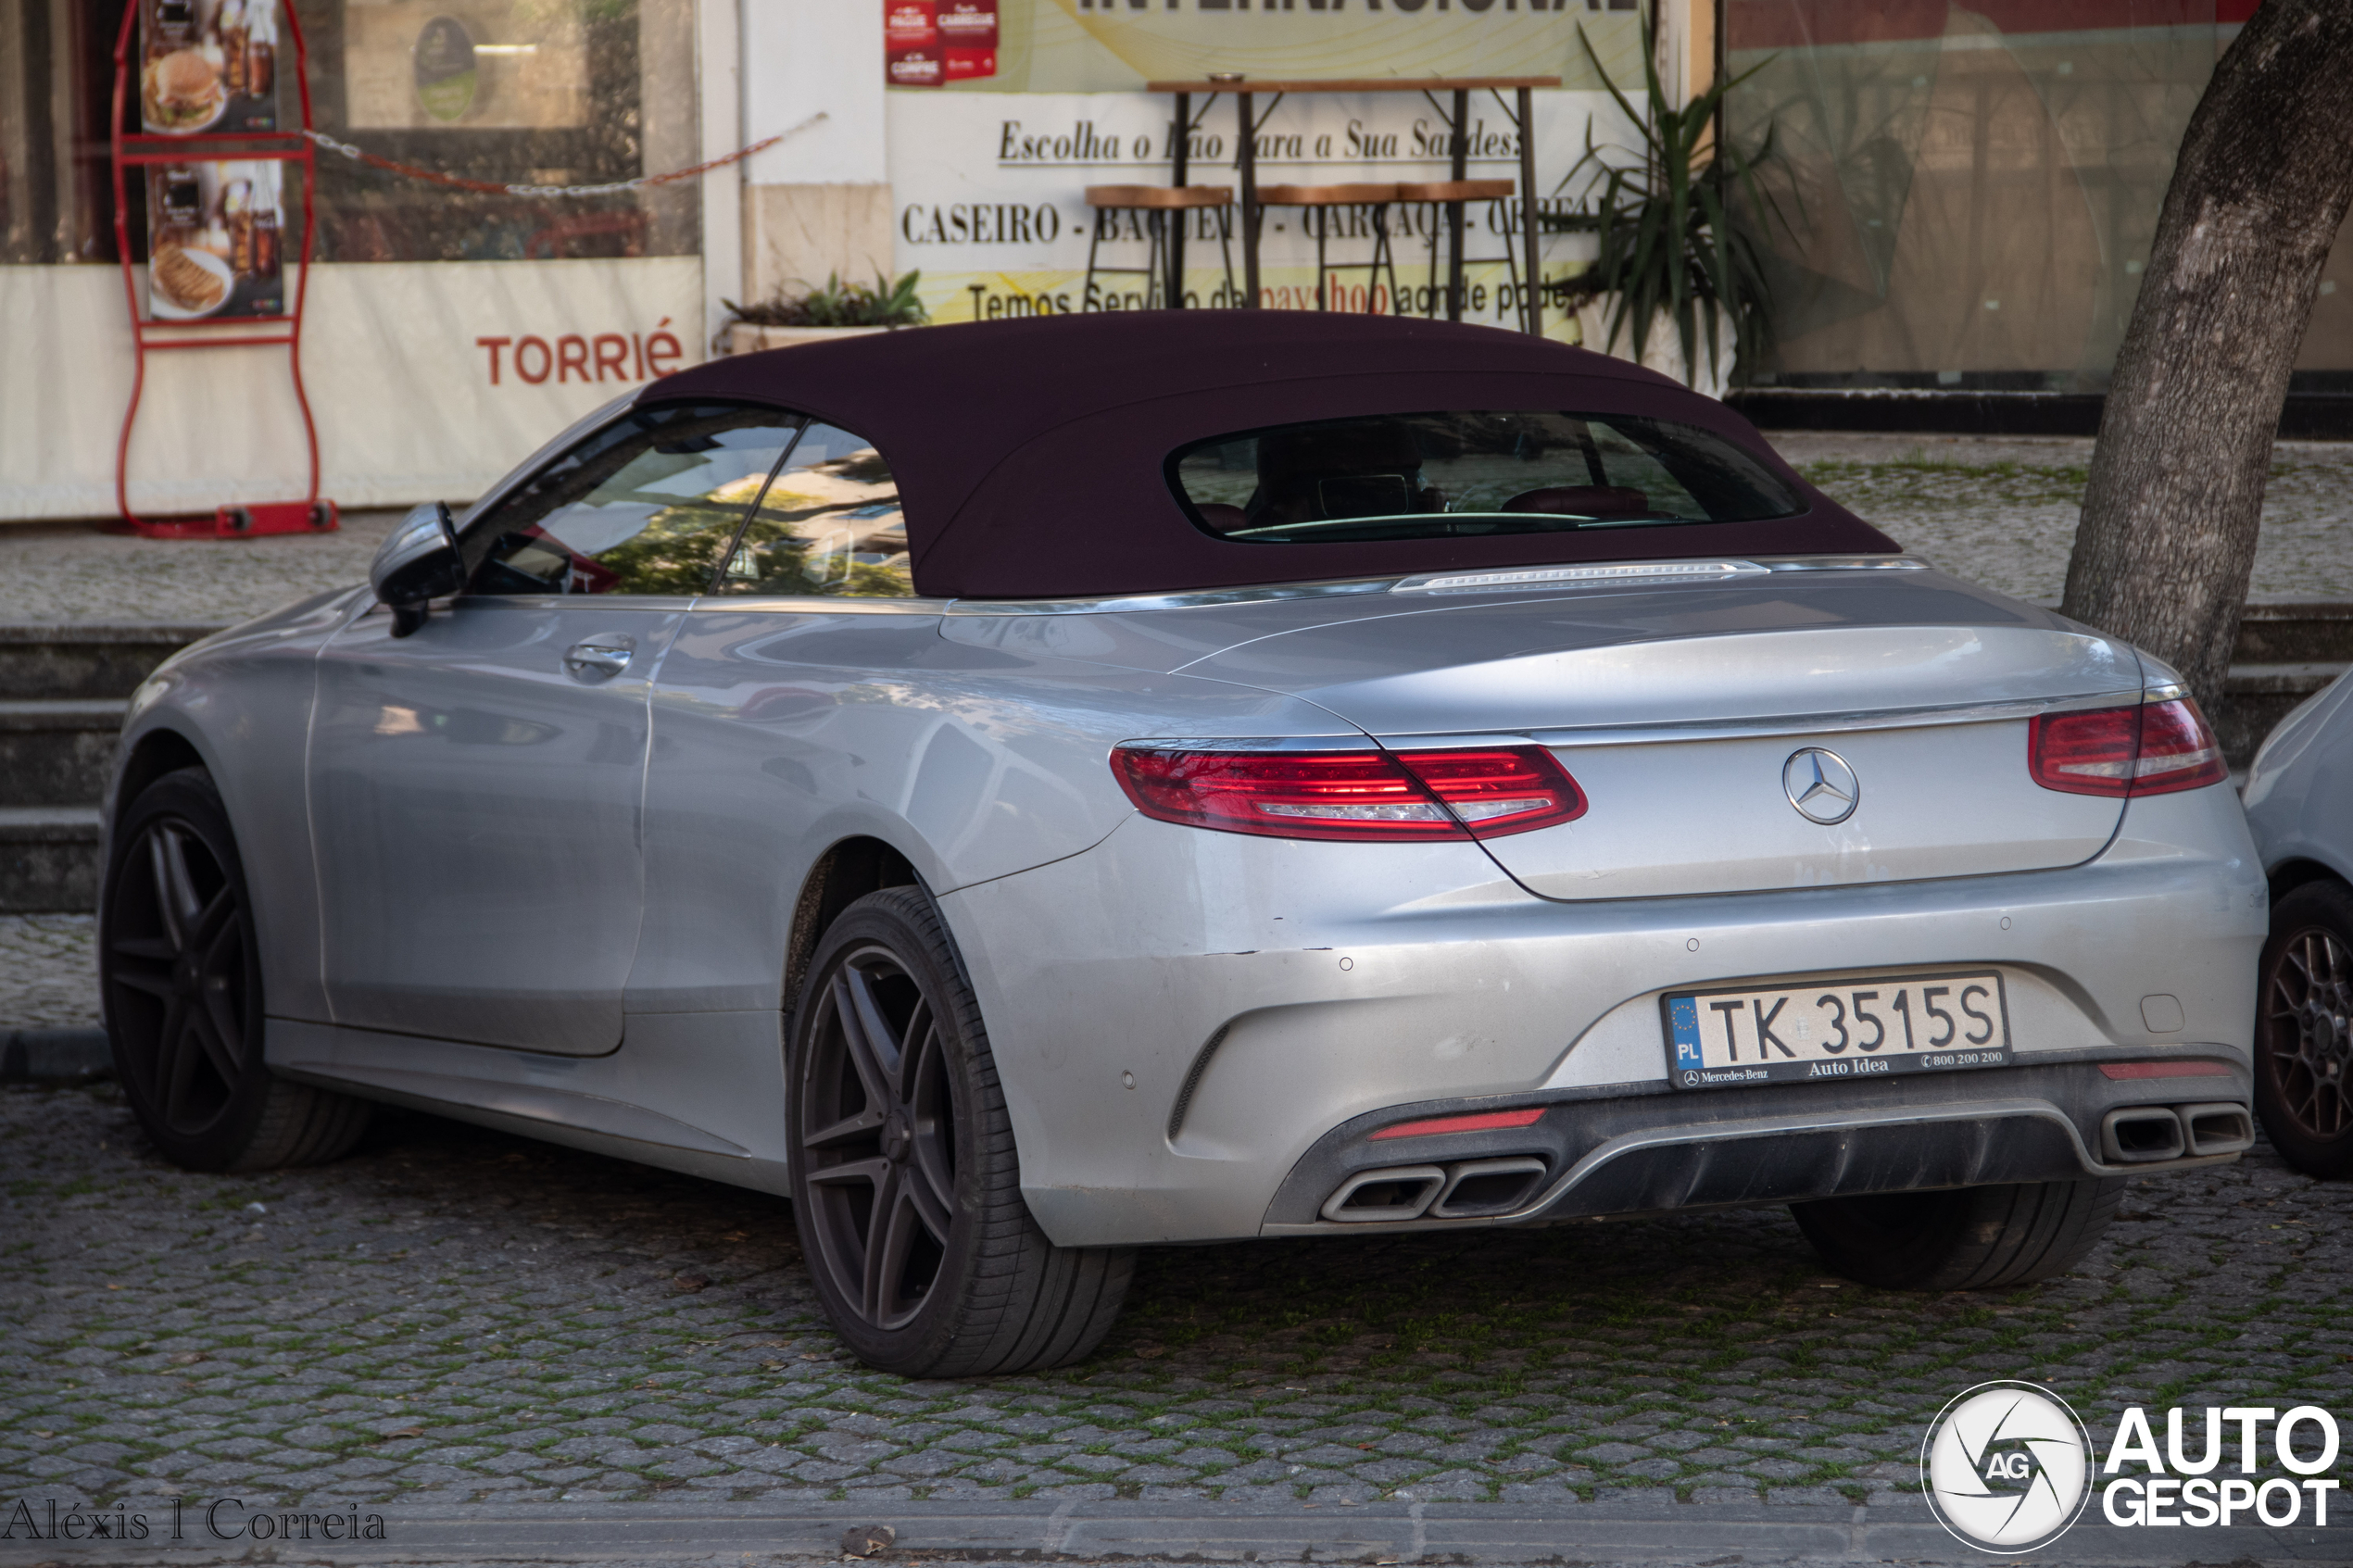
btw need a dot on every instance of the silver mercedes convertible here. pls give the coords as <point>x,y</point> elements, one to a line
<point>1027,791</point>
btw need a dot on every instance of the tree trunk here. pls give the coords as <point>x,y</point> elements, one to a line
<point>2259,189</point>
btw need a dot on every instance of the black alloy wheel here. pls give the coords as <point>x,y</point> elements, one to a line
<point>905,1184</point>
<point>180,978</point>
<point>2304,1030</point>
<point>878,1136</point>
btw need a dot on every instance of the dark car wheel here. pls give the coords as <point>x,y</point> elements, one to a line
<point>1966,1238</point>
<point>2304,1030</point>
<point>904,1181</point>
<point>180,977</point>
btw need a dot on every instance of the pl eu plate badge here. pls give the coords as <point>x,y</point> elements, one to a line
<point>1682,1016</point>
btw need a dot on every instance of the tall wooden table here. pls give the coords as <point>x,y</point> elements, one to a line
<point>1518,110</point>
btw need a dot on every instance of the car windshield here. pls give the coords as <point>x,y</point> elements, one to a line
<point>1422,476</point>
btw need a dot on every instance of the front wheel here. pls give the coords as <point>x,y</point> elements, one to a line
<point>905,1184</point>
<point>2304,1030</point>
<point>180,977</point>
<point>1966,1238</point>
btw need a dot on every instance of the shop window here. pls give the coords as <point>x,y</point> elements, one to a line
<point>502,92</point>
<point>534,92</point>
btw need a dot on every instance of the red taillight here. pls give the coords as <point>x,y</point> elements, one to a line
<point>2160,1070</point>
<point>1385,796</point>
<point>1510,789</point>
<point>2149,748</point>
<point>1480,1122</point>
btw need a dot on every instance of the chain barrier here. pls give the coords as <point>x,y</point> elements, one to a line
<point>492,188</point>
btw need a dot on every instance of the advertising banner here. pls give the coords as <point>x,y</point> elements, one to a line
<point>429,379</point>
<point>216,240</point>
<point>991,205</point>
<point>207,67</point>
<point>990,172</point>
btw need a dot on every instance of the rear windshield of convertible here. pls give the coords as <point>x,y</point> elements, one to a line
<point>1424,476</point>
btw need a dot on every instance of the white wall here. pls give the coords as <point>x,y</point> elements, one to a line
<point>819,203</point>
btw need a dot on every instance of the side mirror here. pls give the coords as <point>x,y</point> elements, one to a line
<point>417,563</point>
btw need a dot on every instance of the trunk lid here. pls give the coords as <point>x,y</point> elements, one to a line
<point>1686,714</point>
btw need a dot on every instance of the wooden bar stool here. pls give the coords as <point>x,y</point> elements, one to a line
<point>1159,204</point>
<point>1321,201</point>
<point>1448,197</point>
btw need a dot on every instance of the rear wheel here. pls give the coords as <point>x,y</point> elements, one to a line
<point>180,976</point>
<point>904,1180</point>
<point>2304,1030</point>
<point>1968,1238</point>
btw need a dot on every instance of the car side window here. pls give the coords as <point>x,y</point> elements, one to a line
<point>829,524</point>
<point>646,505</point>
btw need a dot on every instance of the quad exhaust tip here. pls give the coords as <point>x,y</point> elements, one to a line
<point>2219,1128</point>
<point>2141,1134</point>
<point>1401,1192</point>
<point>1468,1190</point>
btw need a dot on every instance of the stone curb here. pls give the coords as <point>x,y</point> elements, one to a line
<point>27,1055</point>
<point>1616,1531</point>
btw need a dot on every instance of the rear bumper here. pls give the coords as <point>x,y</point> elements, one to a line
<point>1182,1020</point>
<point>1777,1144</point>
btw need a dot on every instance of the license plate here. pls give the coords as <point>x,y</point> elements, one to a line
<point>1834,1029</point>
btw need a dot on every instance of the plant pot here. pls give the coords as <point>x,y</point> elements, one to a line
<point>1664,352</point>
<point>742,337</point>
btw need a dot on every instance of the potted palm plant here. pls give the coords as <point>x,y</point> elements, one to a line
<point>1679,283</point>
<point>838,309</point>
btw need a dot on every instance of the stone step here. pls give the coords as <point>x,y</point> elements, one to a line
<point>2290,633</point>
<point>48,859</point>
<point>56,752</point>
<point>85,661</point>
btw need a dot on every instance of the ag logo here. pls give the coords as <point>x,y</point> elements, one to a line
<point>2007,1467</point>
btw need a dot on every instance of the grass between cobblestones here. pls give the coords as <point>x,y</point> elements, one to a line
<point>2008,521</point>
<point>453,1314</point>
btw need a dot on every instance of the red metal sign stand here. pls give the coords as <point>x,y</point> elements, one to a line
<point>138,149</point>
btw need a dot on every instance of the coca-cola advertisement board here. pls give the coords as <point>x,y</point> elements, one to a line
<point>208,67</point>
<point>216,240</point>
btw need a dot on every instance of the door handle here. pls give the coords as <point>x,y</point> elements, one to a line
<point>599,659</point>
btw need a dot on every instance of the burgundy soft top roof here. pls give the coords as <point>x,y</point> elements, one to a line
<point>1031,455</point>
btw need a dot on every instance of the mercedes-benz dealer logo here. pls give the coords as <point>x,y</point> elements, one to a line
<point>1820,786</point>
<point>2007,1467</point>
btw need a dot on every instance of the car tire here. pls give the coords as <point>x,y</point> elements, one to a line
<point>896,1108</point>
<point>1965,1238</point>
<point>181,983</point>
<point>2304,1030</point>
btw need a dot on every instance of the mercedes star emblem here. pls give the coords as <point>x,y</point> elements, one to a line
<point>1820,786</point>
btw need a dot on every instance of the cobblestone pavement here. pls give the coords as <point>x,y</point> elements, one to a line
<point>453,1314</point>
<point>48,978</point>
<point>51,572</point>
<point>2001,511</point>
